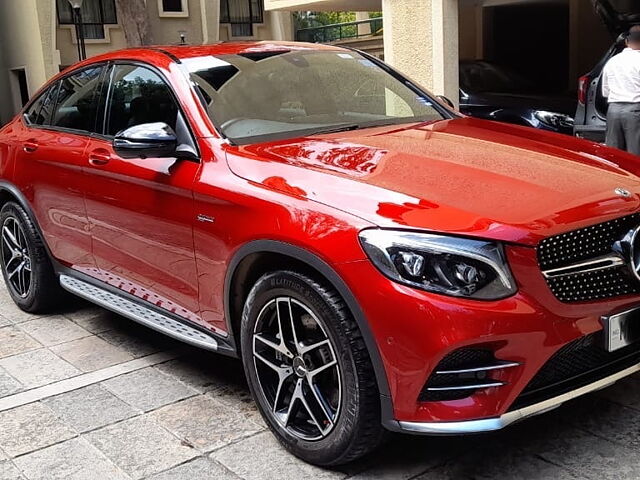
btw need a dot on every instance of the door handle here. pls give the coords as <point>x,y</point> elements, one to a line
<point>30,146</point>
<point>99,157</point>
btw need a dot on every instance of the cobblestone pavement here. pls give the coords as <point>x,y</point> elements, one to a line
<point>87,394</point>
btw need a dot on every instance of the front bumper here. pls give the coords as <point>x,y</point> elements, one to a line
<point>415,331</point>
<point>498,423</point>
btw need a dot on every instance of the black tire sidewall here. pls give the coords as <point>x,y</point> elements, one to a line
<point>290,284</point>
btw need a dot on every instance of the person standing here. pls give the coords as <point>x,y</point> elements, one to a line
<point>621,86</point>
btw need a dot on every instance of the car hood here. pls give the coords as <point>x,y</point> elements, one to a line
<point>522,101</point>
<point>618,15</point>
<point>463,176</point>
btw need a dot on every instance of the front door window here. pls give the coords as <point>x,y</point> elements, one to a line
<point>138,95</point>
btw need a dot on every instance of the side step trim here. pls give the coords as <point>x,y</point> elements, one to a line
<point>138,313</point>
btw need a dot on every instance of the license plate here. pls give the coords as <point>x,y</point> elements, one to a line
<point>621,329</point>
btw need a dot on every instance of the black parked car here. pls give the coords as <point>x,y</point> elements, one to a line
<point>495,92</point>
<point>591,114</point>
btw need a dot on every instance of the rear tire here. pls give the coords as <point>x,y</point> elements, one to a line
<point>26,267</point>
<point>314,382</point>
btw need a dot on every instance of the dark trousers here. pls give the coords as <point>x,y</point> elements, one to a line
<point>623,127</point>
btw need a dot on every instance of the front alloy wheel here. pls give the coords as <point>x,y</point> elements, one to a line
<point>297,369</point>
<point>309,370</point>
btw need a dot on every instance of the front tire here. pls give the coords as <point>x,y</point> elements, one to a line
<point>26,267</point>
<point>309,370</point>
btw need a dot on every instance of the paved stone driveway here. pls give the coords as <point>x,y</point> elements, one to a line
<point>87,394</point>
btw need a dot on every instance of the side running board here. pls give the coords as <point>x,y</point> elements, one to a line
<point>138,313</point>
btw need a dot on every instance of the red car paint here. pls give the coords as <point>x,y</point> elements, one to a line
<point>133,223</point>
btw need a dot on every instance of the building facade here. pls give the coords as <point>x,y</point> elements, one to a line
<point>38,37</point>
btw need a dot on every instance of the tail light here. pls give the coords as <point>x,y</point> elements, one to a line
<point>583,89</point>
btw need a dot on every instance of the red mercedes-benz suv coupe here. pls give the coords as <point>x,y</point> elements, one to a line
<point>378,261</point>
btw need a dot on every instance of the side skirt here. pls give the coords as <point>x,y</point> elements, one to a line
<point>143,314</point>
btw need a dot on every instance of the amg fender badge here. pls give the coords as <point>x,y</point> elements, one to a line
<point>205,219</point>
<point>622,192</point>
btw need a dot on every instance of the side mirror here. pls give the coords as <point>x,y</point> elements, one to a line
<point>146,140</point>
<point>446,101</point>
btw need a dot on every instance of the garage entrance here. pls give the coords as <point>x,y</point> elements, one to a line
<point>550,42</point>
<point>531,39</point>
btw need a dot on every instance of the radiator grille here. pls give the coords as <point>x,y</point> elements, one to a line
<point>597,285</point>
<point>582,246</point>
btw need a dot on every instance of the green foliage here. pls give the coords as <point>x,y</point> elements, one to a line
<point>312,20</point>
<point>318,19</point>
<point>329,18</point>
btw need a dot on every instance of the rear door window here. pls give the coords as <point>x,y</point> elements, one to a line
<point>78,101</point>
<point>39,113</point>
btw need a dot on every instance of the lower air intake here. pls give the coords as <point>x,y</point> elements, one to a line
<point>461,374</point>
<point>577,364</point>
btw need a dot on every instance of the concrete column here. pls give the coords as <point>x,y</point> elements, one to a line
<point>421,40</point>
<point>21,41</point>
<point>210,12</point>
<point>6,107</point>
<point>281,25</point>
<point>365,28</point>
<point>48,23</point>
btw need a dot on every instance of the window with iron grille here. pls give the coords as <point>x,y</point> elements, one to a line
<point>241,15</point>
<point>95,15</point>
<point>172,6</point>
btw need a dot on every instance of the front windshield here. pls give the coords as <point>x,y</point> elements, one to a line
<point>254,97</point>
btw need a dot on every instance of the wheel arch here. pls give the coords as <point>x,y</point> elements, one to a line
<point>260,256</point>
<point>9,192</point>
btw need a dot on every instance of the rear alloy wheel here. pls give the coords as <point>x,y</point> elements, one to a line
<point>309,370</point>
<point>26,267</point>
<point>15,257</point>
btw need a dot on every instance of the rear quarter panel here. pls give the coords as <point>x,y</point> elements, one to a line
<point>8,141</point>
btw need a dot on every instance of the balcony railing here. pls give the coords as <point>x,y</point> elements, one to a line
<point>339,31</point>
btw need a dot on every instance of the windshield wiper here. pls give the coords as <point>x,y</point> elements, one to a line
<point>336,128</point>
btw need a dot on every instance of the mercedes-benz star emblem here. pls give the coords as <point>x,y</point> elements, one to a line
<point>629,249</point>
<point>623,192</point>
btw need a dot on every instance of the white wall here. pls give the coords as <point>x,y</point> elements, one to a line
<point>25,26</point>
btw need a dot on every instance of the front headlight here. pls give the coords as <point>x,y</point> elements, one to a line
<point>454,266</point>
<point>554,119</point>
